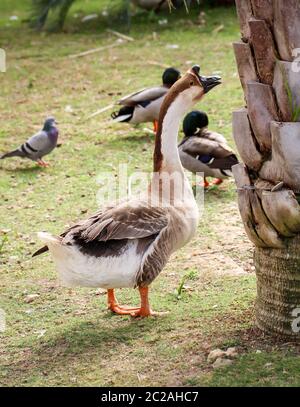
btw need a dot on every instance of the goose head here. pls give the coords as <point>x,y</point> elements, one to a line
<point>187,91</point>
<point>199,85</point>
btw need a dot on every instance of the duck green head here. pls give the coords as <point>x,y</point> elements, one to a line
<point>170,76</point>
<point>194,121</point>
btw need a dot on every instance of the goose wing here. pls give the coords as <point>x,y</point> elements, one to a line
<point>108,234</point>
<point>143,95</point>
<point>122,222</point>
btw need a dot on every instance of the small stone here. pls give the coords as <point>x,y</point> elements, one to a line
<point>41,333</point>
<point>221,362</point>
<point>268,365</point>
<point>231,352</point>
<point>172,46</point>
<point>69,109</point>
<point>100,291</point>
<point>163,21</point>
<point>30,298</point>
<point>215,354</point>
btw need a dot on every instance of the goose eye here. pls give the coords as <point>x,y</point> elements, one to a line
<point>191,83</point>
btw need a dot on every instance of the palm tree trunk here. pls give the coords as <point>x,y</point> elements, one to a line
<point>278,287</point>
<point>267,135</point>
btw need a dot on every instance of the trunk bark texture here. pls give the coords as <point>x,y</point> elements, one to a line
<point>267,135</point>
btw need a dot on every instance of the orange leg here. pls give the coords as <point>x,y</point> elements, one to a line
<point>145,309</point>
<point>217,181</point>
<point>42,163</point>
<point>112,304</point>
<point>205,183</point>
<point>155,126</point>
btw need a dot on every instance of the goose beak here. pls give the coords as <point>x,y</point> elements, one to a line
<point>209,82</point>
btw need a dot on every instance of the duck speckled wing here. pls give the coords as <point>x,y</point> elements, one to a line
<point>205,151</point>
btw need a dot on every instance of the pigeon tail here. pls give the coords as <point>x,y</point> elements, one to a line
<point>15,153</point>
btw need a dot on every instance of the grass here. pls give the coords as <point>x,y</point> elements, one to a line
<point>66,337</point>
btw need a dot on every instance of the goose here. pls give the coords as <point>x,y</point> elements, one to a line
<point>202,150</point>
<point>144,105</point>
<point>127,244</point>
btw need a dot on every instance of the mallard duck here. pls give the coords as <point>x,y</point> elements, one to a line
<point>144,106</point>
<point>202,150</point>
<point>129,243</point>
<point>38,145</point>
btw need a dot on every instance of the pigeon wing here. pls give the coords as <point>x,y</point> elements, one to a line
<point>38,141</point>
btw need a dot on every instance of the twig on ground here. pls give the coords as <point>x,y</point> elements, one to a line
<point>157,64</point>
<point>94,50</point>
<point>104,109</point>
<point>120,35</point>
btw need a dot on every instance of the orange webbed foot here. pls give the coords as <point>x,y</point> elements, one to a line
<point>112,305</point>
<point>217,181</point>
<point>143,311</point>
<point>205,183</point>
<point>121,310</point>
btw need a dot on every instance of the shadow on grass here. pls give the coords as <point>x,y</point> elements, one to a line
<point>78,344</point>
<point>24,170</point>
<point>138,139</point>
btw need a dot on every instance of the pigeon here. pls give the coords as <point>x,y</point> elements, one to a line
<point>39,145</point>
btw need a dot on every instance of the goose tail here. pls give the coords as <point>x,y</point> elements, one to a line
<point>48,238</point>
<point>50,242</point>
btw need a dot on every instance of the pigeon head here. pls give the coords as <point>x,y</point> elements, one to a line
<point>50,122</point>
